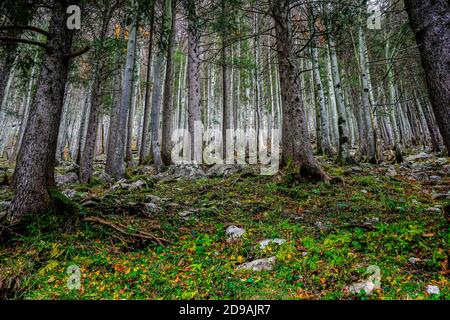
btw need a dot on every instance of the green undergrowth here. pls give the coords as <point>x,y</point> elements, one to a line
<point>332,232</point>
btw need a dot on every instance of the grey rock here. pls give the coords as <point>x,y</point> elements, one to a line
<point>433,289</point>
<point>435,178</point>
<point>153,198</point>
<point>366,286</point>
<point>391,172</point>
<point>70,193</point>
<point>4,205</point>
<point>224,170</point>
<point>414,260</point>
<point>69,178</point>
<point>181,172</point>
<point>138,185</point>
<point>234,232</point>
<point>420,176</point>
<point>104,177</point>
<point>187,214</point>
<point>152,208</point>
<point>265,264</point>
<point>264,243</point>
<point>415,157</point>
<point>441,161</point>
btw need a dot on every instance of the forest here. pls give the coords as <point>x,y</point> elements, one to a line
<point>225,149</point>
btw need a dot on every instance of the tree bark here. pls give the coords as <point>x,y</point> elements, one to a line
<point>34,173</point>
<point>117,168</point>
<point>296,146</point>
<point>167,106</point>
<point>430,21</point>
<point>143,151</point>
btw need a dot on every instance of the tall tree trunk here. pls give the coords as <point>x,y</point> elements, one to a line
<point>323,138</point>
<point>343,126</point>
<point>118,152</point>
<point>34,173</point>
<point>226,110</point>
<point>88,154</point>
<point>167,106</point>
<point>296,146</point>
<point>194,85</point>
<point>143,151</point>
<point>430,21</point>
<point>369,135</point>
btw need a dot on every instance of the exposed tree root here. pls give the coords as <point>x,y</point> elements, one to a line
<point>124,230</point>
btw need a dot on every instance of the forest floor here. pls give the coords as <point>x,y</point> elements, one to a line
<point>392,217</point>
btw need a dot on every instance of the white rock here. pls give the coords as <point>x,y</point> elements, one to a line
<point>137,185</point>
<point>265,264</point>
<point>413,260</point>
<point>366,286</point>
<point>264,243</point>
<point>421,155</point>
<point>234,232</point>
<point>364,191</point>
<point>152,208</point>
<point>433,289</point>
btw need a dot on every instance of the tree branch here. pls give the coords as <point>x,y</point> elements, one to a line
<point>27,28</point>
<point>20,40</point>
<point>78,52</point>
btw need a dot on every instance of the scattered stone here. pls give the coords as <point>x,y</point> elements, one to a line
<point>152,208</point>
<point>234,232</point>
<point>69,193</point>
<point>372,220</point>
<point>4,205</point>
<point>265,264</point>
<point>441,161</point>
<point>366,286</point>
<point>153,198</point>
<point>414,201</point>
<point>69,178</point>
<point>264,243</point>
<point>187,215</point>
<point>364,191</point>
<point>446,168</point>
<point>304,253</point>
<point>70,166</point>
<point>420,176</point>
<point>224,170</point>
<point>391,172</point>
<point>356,169</point>
<point>422,155</point>
<point>414,260</point>
<point>104,177</point>
<point>138,185</point>
<point>433,289</point>
<point>435,178</point>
